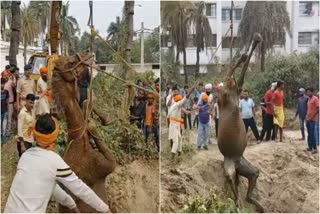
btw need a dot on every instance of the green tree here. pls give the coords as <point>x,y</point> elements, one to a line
<point>203,32</point>
<point>114,33</point>
<point>29,28</point>
<point>5,17</point>
<point>270,19</point>
<point>69,27</point>
<point>15,32</point>
<point>151,48</point>
<point>175,20</point>
<point>42,11</point>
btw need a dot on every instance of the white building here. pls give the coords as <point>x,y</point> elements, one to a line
<point>304,18</point>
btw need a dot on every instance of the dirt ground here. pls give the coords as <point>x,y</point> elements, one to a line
<point>130,188</point>
<point>288,181</point>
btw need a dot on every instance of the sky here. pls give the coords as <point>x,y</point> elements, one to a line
<point>105,12</point>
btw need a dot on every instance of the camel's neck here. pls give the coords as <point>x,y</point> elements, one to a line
<point>65,97</point>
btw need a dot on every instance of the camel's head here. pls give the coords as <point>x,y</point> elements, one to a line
<point>71,67</point>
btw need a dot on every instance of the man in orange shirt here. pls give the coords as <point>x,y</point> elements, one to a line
<point>148,120</point>
<point>278,110</point>
<point>312,117</point>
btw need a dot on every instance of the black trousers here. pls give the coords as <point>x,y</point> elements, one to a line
<point>26,144</point>
<point>252,124</point>
<point>267,127</point>
<point>216,121</point>
<point>187,120</point>
<point>196,121</point>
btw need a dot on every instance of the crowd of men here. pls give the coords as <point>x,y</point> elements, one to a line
<point>144,112</point>
<point>201,103</point>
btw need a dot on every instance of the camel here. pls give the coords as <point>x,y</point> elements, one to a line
<point>231,131</point>
<point>91,165</point>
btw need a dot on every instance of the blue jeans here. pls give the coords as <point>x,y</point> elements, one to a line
<point>317,132</point>
<point>203,134</point>
<point>311,134</point>
<point>301,123</point>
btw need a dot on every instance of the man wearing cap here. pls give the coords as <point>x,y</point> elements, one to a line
<point>25,86</point>
<point>42,106</point>
<point>26,120</point>
<point>267,126</point>
<point>302,106</point>
<point>148,120</point>
<point>204,118</point>
<point>176,122</point>
<point>40,170</point>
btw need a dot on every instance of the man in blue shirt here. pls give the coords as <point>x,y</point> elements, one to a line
<point>247,110</point>
<point>204,126</point>
<point>198,91</point>
<point>302,110</point>
<point>187,108</point>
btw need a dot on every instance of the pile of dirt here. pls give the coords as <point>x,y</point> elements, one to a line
<point>288,181</point>
<point>134,187</point>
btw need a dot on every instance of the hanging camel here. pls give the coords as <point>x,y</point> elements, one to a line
<point>232,139</point>
<point>91,165</point>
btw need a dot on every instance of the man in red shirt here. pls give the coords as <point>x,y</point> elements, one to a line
<point>278,110</point>
<point>312,117</point>
<point>268,117</point>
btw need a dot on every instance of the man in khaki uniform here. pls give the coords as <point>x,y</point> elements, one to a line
<point>25,86</point>
<point>26,121</point>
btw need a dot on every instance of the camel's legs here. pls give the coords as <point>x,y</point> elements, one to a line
<point>252,173</point>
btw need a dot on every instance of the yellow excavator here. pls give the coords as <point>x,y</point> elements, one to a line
<point>46,58</point>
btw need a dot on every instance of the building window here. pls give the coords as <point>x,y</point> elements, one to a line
<point>305,38</point>
<point>211,9</point>
<point>308,8</point>
<point>213,41</point>
<point>164,40</point>
<point>236,14</point>
<point>226,41</point>
<point>225,14</point>
<point>191,40</point>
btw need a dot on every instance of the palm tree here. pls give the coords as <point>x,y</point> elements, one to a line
<point>5,17</point>
<point>203,33</point>
<point>15,32</point>
<point>69,27</point>
<point>113,33</point>
<point>175,20</point>
<point>270,19</point>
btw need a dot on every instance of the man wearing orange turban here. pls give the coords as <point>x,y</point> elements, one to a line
<point>40,169</point>
<point>176,122</point>
<point>42,105</point>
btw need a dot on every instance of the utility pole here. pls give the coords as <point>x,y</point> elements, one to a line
<point>142,47</point>
<point>231,28</point>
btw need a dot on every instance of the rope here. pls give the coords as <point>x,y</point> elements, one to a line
<point>221,42</point>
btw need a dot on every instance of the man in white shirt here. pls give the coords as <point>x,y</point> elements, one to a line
<point>42,106</point>
<point>176,122</point>
<point>39,172</point>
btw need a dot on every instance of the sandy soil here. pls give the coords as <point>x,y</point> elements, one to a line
<point>289,181</point>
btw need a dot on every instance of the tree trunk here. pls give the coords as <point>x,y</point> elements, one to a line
<point>3,26</point>
<point>263,53</point>
<point>25,51</point>
<point>184,66</point>
<point>177,56</point>
<point>15,32</point>
<point>197,63</point>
